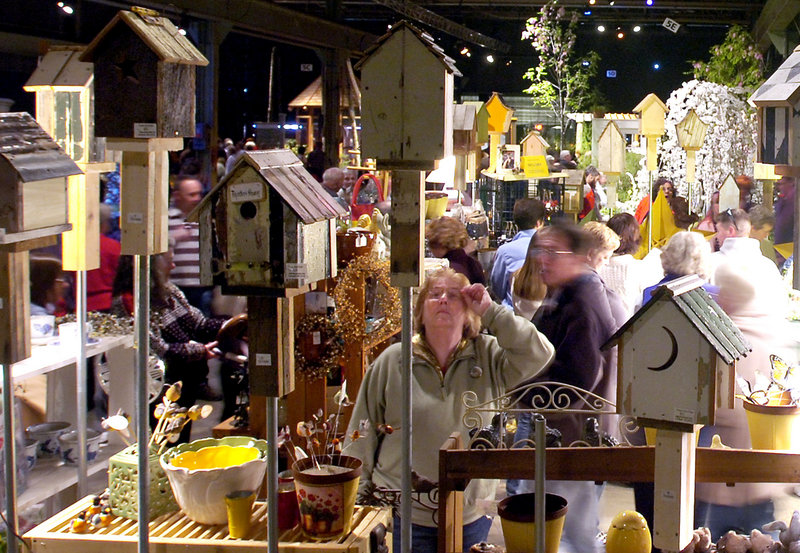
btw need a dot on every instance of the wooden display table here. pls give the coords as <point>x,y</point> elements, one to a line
<point>173,532</point>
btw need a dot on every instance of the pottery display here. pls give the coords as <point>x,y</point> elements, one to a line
<point>30,447</point>
<point>220,466</point>
<point>47,434</point>
<point>69,446</point>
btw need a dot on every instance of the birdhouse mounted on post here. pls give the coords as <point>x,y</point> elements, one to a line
<point>534,144</point>
<point>407,100</point>
<point>691,134</point>
<point>652,113</point>
<point>465,143</point>
<point>778,119</point>
<point>144,77</point>
<point>267,227</point>
<point>499,122</point>
<point>675,367</point>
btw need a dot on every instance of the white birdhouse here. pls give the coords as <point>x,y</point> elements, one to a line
<point>677,356</point>
<point>728,194</point>
<point>611,150</point>
<point>407,100</point>
<point>267,227</point>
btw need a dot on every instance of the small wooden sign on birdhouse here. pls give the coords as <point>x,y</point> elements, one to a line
<point>611,150</point>
<point>652,114</point>
<point>267,227</point>
<point>144,77</point>
<point>677,356</point>
<point>407,100</point>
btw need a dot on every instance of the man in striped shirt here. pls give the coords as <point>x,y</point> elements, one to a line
<point>186,194</point>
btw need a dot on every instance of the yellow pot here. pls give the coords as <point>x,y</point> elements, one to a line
<point>435,204</point>
<point>773,426</point>
<point>628,533</point>
<point>517,521</point>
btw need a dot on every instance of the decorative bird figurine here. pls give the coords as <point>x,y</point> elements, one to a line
<point>716,443</point>
<point>628,533</point>
<point>79,525</point>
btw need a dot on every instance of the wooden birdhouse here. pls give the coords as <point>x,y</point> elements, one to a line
<point>652,113</point>
<point>611,150</point>
<point>534,144</point>
<point>267,227</point>
<point>407,100</point>
<point>498,123</point>
<point>33,181</point>
<point>677,356</point>
<point>691,133</point>
<point>63,87</point>
<point>778,116</point>
<point>144,77</point>
<point>465,129</point>
<point>728,194</point>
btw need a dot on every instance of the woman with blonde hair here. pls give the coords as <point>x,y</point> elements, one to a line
<point>447,238</point>
<point>527,287</point>
<point>449,357</point>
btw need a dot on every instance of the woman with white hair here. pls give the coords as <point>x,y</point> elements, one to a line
<point>686,253</point>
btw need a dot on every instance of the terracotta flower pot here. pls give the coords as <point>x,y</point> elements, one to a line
<point>326,494</point>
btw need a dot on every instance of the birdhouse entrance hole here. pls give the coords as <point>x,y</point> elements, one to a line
<point>248,210</point>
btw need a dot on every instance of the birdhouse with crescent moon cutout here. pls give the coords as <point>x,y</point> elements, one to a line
<point>677,356</point>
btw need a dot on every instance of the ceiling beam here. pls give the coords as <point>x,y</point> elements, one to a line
<point>775,17</point>
<point>266,20</point>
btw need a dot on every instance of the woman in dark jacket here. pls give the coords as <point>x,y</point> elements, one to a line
<point>447,238</point>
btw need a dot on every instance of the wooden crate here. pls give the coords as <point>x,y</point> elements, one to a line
<point>175,533</point>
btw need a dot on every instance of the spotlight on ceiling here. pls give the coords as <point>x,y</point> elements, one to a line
<point>464,51</point>
<point>587,12</point>
<point>601,28</point>
<point>592,2</point>
<point>656,66</point>
<point>637,28</point>
<point>649,2</point>
<point>66,8</point>
<point>585,63</point>
<point>620,35</point>
<point>490,58</point>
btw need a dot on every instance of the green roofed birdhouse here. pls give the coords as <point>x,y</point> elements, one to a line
<point>267,227</point>
<point>33,181</point>
<point>407,100</point>
<point>677,357</point>
<point>144,77</point>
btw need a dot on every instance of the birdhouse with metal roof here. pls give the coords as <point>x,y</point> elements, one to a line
<point>407,100</point>
<point>144,77</point>
<point>267,227</point>
<point>776,103</point>
<point>33,181</point>
<point>534,144</point>
<point>677,356</point>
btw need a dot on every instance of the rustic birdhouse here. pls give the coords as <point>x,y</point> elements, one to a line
<point>652,113</point>
<point>676,356</point>
<point>728,194</point>
<point>691,134</point>
<point>611,150</point>
<point>407,100</point>
<point>534,144</point>
<point>33,181</point>
<point>268,226</point>
<point>62,84</point>
<point>465,128</point>
<point>144,77</point>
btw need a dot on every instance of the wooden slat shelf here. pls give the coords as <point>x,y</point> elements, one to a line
<point>173,533</point>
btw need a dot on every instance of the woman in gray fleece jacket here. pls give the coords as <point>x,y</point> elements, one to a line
<point>450,357</point>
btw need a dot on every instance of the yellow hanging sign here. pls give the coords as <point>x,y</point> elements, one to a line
<point>535,167</point>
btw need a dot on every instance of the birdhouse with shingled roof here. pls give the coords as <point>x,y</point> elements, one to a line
<point>267,227</point>
<point>144,77</point>
<point>407,100</point>
<point>776,102</point>
<point>33,181</point>
<point>677,356</point>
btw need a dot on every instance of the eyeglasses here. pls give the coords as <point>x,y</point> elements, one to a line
<point>546,252</point>
<point>451,294</point>
<point>729,213</point>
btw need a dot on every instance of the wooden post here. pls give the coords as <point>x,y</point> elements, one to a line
<point>674,489</point>
<point>408,236</point>
<point>451,502</point>
<point>270,330</point>
<point>15,300</point>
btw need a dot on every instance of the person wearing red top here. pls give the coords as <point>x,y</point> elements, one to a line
<point>99,281</point>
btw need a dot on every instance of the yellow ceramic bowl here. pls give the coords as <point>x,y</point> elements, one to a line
<point>215,457</point>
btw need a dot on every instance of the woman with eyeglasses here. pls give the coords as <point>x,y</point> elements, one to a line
<point>450,356</point>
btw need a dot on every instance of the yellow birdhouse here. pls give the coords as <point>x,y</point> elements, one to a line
<point>407,100</point>
<point>652,113</point>
<point>691,134</point>
<point>499,114</point>
<point>534,144</point>
<point>611,150</point>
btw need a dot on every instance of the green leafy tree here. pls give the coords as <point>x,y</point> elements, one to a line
<point>736,63</point>
<point>562,80</point>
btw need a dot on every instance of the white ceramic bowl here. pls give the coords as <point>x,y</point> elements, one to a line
<point>47,434</point>
<point>69,446</point>
<point>201,492</point>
